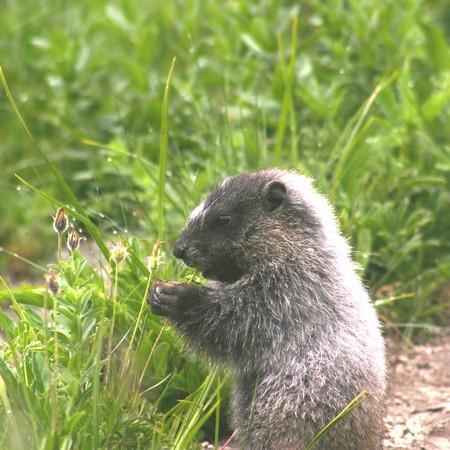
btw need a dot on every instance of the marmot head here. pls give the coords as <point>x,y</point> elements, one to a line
<point>252,221</point>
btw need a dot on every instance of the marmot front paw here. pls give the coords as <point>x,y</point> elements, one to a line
<point>164,296</point>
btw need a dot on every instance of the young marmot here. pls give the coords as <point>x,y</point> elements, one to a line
<point>285,310</point>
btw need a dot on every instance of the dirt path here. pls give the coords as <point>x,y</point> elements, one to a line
<point>418,406</point>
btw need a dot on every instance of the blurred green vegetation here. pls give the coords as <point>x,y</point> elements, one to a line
<point>354,93</point>
<point>243,91</point>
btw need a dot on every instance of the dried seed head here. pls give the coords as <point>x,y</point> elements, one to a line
<point>153,260</point>
<point>61,221</point>
<point>119,253</point>
<point>156,247</point>
<point>73,240</point>
<point>51,280</point>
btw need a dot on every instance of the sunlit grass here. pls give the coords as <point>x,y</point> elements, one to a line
<point>353,93</point>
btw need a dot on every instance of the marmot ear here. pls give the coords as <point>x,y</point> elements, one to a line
<point>274,194</point>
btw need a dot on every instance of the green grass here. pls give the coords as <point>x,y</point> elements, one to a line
<point>354,93</point>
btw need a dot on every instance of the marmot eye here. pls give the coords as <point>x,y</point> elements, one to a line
<point>222,220</point>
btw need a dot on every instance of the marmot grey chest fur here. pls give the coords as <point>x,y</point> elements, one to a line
<point>284,309</point>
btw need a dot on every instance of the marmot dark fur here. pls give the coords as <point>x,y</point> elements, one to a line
<point>285,309</point>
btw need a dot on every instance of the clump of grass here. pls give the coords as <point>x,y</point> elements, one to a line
<point>78,370</point>
<point>88,367</point>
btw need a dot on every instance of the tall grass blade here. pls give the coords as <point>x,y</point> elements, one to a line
<point>199,412</point>
<point>363,395</point>
<point>287,109</point>
<point>163,150</point>
<point>349,147</point>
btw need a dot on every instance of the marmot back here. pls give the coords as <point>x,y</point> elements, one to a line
<point>285,310</point>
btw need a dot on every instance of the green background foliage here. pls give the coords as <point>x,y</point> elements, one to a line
<point>353,93</point>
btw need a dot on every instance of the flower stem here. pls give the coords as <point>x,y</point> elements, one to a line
<point>113,320</point>
<point>59,246</point>
<point>54,389</point>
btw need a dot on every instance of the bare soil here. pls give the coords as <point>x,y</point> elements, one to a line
<point>418,404</point>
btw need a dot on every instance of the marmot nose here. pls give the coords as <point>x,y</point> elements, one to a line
<point>179,251</point>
